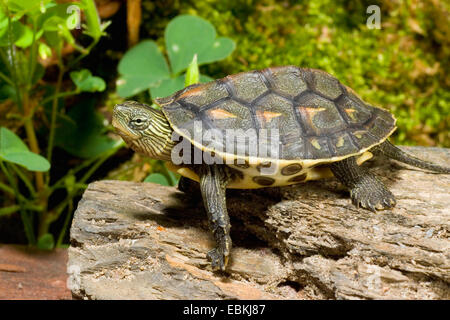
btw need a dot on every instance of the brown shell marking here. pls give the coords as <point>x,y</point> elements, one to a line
<point>291,169</point>
<point>300,178</point>
<point>263,181</point>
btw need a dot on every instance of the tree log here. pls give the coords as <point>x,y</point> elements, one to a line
<point>146,241</point>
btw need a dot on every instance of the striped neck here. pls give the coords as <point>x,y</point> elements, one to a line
<point>155,140</point>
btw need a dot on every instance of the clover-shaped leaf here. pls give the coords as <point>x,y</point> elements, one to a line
<point>141,67</point>
<point>167,87</point>
<point>189,35</point>
<point>12,149</point>
<point>86,82</point>
<point>21,35</point>
<point>144,67</point>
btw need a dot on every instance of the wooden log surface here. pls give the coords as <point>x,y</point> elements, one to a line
<point>146,241</point>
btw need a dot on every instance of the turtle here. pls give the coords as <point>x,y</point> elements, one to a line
<point>265,128</point>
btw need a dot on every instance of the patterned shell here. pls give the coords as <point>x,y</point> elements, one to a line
<point>309,113</point>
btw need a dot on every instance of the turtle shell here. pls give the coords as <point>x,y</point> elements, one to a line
<point>306,114</point>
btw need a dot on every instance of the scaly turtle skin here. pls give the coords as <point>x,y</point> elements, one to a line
<point>305,123</point>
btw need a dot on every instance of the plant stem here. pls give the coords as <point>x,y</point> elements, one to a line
<point>11,63</point>
<point>14,208</point>
<point>44,218</point>
<point>33,53</point>
<point>48,217</point>
<point>6,79</point>
<point>84,53</point>
<point>5,188</point>
<point>66,224</point>
<point>8,210</point>
<point>32,140</point>
<point>59,95</point>
<point>99,162</point>
<point>20,197</point>
<point>25,180</point>
<point>28,226</point>
<point>53,118</point>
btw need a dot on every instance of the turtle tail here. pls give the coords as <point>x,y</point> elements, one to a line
<point>395,153</point>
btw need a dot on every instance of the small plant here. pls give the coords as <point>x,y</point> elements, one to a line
<point>144,67</point>
<point>32,33</point>
<point>190,41</point>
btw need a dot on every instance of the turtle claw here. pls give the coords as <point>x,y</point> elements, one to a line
<point>218,259</point>
<point>389,202</point>
<point>219,255</point>
<point>373,200</point>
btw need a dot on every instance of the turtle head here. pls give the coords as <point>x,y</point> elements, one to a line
<point>145,129</point>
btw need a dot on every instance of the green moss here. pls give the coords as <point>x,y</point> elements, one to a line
<point>400,67</point>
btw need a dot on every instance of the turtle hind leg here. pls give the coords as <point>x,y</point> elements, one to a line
<point>213,183</point>
<point>365,189</point>
<point>395,153</point>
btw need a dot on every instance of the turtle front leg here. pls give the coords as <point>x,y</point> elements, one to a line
<point>365,189</point>
<point>213,183</point>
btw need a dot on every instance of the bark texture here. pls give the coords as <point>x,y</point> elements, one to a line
<point>145,241</point>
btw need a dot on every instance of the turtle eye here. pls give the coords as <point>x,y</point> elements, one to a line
<point>138,123</point>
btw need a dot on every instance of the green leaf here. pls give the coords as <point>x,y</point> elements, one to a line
<point>29,160</point>
<point>192,73</point>
<point>220,49</point>
<point>204,78</point>
<point>3,21</point>
<point>46,242</point>
<point>26,38</point>
<point>84,135</point>
<point>185,36</point>
<point>60,25</point>
<point>12,149</point>
<point>174,179</point>
<point>167,87</point>
<point>29,7</point>
<point>17,31</point>
<point>86,82</point>
<point>157,178</point>
<point>54,41</point>
<point>51,10</point>
<point>53,23</point>
<point>189,35</point>
<point>141,67</point>
<point>10,142</point>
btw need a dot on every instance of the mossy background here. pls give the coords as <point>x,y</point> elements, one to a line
<point>402,67</point>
